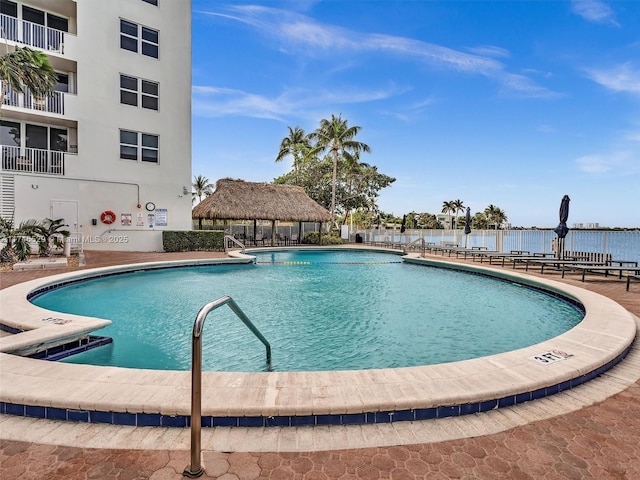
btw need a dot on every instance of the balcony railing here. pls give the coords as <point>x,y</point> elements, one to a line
<point>53,103</point>
<point>32,160</point>
<point>31,34</point>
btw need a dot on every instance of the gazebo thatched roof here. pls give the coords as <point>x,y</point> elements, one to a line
<point>240,200</point>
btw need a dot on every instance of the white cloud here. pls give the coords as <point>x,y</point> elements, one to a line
<point>218,102</point>
<point>490,51</point>
<point>622,162</point>
<point>595,11</point>
<point>307,37</point>
<point>621,78</point>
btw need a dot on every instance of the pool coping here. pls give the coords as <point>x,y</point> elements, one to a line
<point>162,398</point>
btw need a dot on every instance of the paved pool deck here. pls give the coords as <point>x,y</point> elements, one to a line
<point>587,432</point>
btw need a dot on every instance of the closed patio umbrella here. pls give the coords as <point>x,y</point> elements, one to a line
<point>467,225</point>
<point>562,229</point>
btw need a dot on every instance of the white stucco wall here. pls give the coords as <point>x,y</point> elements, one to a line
<point>96,179</point>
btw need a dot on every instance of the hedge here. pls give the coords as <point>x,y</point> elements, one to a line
<point>313,238</point>
<point>193,240</point>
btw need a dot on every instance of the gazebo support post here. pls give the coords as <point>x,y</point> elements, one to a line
<point>273,232</point>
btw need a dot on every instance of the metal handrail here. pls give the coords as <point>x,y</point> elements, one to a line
<point>421,240</point>
<point>195,469</point>
<point>233,239</point>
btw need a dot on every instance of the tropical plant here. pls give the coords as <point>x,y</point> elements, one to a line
<point>50,233</point>
<point>27,69</point>
<point>201,187</point>
<point>458,205</point>
<point>337,137</point>
<point>298,145</point>
<point>16,240</point>
<point>448,207</point>
<point>479,221</point>
<point>495,216</point>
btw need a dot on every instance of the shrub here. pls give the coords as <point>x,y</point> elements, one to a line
<point>313,238</point>
<point>193,240</point>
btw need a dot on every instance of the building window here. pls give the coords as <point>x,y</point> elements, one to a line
<point>137,146</point>
<point>136,38</point>
<point>132,89</point>
<point>152,2</point>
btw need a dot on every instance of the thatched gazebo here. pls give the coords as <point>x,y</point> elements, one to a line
<point>240,200</point>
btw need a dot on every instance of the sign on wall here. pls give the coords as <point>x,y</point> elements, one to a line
<point>161,217</point>
<point>125,219</point>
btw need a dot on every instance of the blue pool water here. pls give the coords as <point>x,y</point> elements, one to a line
<point>332,310</point>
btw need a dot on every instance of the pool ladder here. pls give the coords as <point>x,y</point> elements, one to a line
<point>230,240</point>
<point>195,469</point>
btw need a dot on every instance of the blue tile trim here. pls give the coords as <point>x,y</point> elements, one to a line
<point>120,418</point>
<point>59,352</point>
<point>303,420</point>
<point>426,413</point>
<point>157,420</point>
<point>7,328</point>
<point>147,419</point>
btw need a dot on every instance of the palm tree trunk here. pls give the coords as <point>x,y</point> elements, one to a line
<point>333,185</point>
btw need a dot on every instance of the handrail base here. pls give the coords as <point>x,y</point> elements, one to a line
<point>190,474</point>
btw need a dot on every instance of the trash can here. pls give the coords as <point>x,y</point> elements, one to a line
<point>358,238</point>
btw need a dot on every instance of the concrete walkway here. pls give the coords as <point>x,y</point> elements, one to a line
<point>596,440</point>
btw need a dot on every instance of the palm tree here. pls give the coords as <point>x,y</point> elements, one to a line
<point>449,207</point>
<point>16,240</point>
<point>26,69</point>
<point>201,187</point>
<point>337,136</point>
<point>495,216</point>
<point>458,205</point>
<point>50,233</point>
<point>298,145</point>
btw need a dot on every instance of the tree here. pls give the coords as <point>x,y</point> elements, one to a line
<point>356,188</point>
<point>450,208</point>
<point>479,221</point>
<point>495,216</point>
<point>50,233</point>
<point>298,145</point>
<point>337,136</point>
<point>26,69</point>
<point>459,207</point>
<point>201,187</point>
<point>16,240</point>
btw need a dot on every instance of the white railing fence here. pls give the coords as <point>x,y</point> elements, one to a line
<point>31,34</point>
<point>622,245</point>
<point>32,160</point>
<point>53,103</point>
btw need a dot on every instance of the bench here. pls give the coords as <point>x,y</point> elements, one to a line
<point>630,277</point>
<point>589,256</point>
<point>629,270</point>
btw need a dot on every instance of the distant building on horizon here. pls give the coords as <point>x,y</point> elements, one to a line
<point>586,226</point>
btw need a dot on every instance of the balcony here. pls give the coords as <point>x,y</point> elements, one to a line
<point>50,104</point>
<point>32,34</point>
<point>32,160</point>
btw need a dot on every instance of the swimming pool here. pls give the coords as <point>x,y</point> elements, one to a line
<point>320,310</point>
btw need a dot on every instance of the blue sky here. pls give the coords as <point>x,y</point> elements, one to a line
<point>510,103</point>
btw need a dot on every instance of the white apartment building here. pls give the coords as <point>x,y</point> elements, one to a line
<point>110,151</point>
